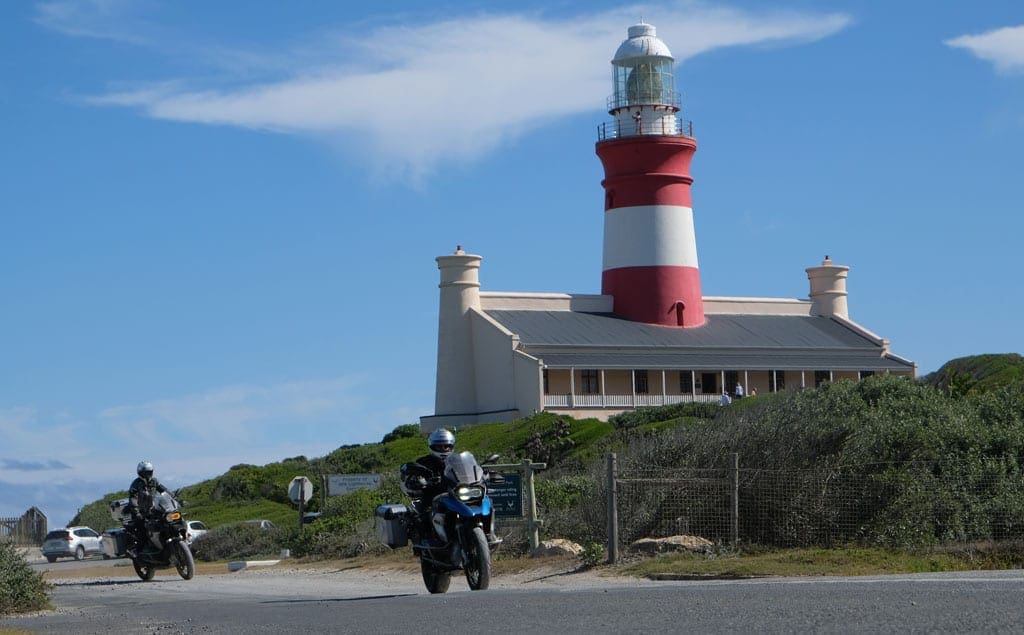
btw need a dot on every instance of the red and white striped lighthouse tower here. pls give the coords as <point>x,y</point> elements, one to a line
<point>650,250</point>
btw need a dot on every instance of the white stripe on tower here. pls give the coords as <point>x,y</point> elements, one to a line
<point>649,236</point>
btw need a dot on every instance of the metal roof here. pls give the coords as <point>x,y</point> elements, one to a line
<point>642,42</point>
<point>753,342</point>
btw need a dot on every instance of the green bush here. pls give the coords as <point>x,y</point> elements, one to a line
<point>643,416</point>
<point>883,461</point>
<point>240,541</point>
<point>409,430</point>
<point>21,589</point>
<point>593,554</point>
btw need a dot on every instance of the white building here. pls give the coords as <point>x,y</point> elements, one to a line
<point>650,338</point>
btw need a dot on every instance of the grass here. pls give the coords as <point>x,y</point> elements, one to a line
<point>797,562</point>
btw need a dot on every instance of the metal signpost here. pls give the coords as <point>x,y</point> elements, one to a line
<point>300,490</point>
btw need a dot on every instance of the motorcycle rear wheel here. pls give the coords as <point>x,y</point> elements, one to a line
<point>145,571</point>
<point>184,561</point>
<point>478,561</point>
<point>436,579</point>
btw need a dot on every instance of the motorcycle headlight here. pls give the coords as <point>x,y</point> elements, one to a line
<point>469,492</point>
<point>172,516</point>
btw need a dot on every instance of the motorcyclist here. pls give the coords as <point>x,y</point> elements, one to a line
<point>422,479</point>
<point>140,493</point>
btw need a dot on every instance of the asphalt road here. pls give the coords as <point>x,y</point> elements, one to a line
<point>336,600</point>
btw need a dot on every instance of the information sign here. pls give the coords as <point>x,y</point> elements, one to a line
<point>507,496</point>
<point>338,484</point>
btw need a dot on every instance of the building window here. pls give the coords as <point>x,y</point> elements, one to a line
<point>732,378</point>
<point>685,382</point>
<point>866,373</point>
<point>821,377</point>
<point>779,377</point>
<point>547,389</point>
<point>590,383</point>
<point>709,383</point>
<point>640,382</point>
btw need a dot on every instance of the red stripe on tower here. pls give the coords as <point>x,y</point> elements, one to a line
<point>650,249</point>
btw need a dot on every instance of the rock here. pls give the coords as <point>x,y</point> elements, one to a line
<point>672,543</point>
<point>558,547</point>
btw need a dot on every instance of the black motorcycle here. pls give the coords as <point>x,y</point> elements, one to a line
<point>166,544</point>
<point>461,534</point>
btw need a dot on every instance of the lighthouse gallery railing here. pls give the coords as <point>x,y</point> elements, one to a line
<point>668,127</point>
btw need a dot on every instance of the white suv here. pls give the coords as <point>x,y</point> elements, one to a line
<point>196,529</point>
<point>71,541</point>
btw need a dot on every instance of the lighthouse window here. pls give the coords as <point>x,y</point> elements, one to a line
<point>709,383</point>
<point>640,382</point>
<point>732,378</point>
<point>589,382</point>
<point>685,382</point>
<point>650,82</point>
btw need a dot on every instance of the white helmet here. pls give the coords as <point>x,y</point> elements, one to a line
<point>144,469</point>
<point>441,443</point>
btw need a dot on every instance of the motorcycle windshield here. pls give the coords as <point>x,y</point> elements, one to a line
<point>463,468</point>
<point>164,502</point>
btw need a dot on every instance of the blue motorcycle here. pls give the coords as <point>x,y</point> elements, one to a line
<point>461,533</point>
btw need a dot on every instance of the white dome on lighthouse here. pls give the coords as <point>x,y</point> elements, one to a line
<point>642,42</point>
<point>643,76</point>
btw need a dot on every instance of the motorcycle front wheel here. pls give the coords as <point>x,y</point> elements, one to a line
<point>478,561</point>
<point>436,579</point>
<point>184,561</point>
<point>145,571</point>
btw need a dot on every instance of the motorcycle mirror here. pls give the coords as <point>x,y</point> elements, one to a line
<point>492,458</point>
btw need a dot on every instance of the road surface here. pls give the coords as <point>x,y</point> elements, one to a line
<point>335,599</point>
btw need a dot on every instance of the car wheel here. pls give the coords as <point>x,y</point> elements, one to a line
<point>51,559</point>
<point>80,553</point>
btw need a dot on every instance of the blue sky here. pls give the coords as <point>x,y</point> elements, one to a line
<point>218,221</point>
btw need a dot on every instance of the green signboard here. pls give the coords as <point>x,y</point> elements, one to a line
<point>507,496</point>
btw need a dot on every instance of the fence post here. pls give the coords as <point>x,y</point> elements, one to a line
<point>532,525</point>
<point>613,510</point>
<point>735,515</point>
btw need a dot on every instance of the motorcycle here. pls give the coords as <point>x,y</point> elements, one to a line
<point>461,533</point>
<point>166,531</point>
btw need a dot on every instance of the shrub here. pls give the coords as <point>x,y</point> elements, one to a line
<point>402,432</point>
<point>643,416</point>
<point>593,554</point>
<point>240,540</point>
<point>21,589</point>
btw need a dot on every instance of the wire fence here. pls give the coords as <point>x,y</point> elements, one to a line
<point>893,504</point>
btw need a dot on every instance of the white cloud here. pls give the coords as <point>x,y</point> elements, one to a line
<point>240,415</point>
<point>1004,47</point>
<point>58,462</point>
<point>100,19</point>
<point>413,96</point>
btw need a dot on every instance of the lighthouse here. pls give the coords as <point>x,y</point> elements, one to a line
<point>650,249</point>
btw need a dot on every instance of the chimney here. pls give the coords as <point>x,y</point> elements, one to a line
<point>828,289</point>
<point>456,372</point>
